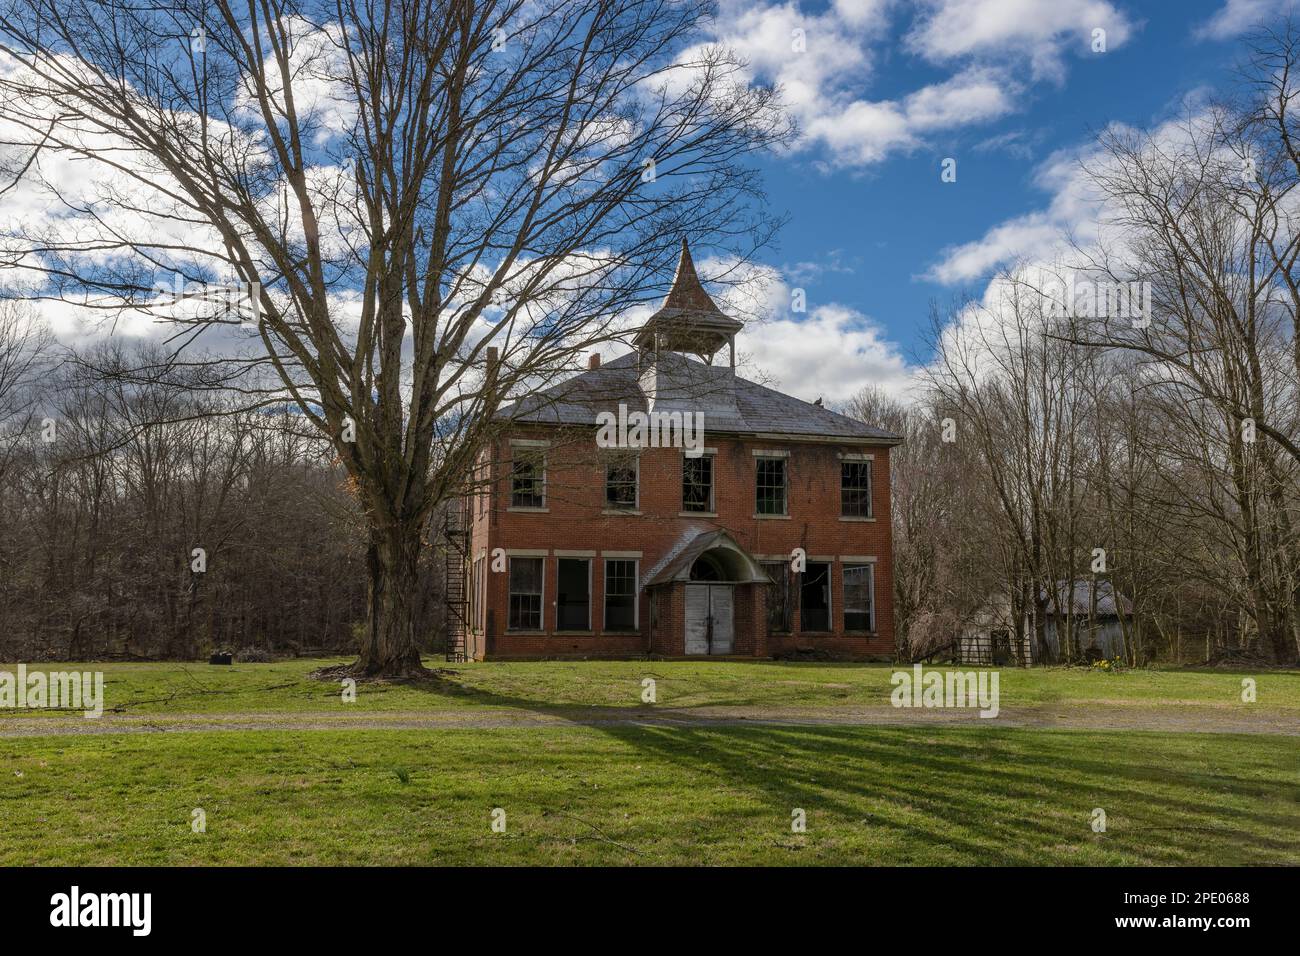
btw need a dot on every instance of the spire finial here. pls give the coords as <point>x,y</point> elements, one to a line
<point>688,318</point>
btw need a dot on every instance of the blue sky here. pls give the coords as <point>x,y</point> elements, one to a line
<point>884,91</point>
<point>1011,89</point>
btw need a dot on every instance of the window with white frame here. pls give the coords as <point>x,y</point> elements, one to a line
<point>770,491</point>
<point>620,594</point>
<point>525,611</point>
<point>476,595</point>
<point>528,478</point>
<point>621,482</point>
<point>697,483</point>
<point>855,489</point>
<point>859,595</point>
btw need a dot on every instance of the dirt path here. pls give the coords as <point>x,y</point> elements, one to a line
<point>1168,719</point>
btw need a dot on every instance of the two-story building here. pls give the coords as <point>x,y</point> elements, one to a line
<point>767,535</point>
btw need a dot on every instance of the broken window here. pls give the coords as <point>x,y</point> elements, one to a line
<point>621,483</point>
<point>771,486</point>
<point>855,489</point>
<point>697,483</point>
<point>778,596</point>
<point>573,595</point>
<point>525,594</point>
<point>859,589</point>
<point>528,480</point>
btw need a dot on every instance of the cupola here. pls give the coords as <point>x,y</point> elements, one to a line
<point>689,320</point>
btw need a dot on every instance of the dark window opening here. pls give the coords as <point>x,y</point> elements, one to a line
<point>707,568</point>
<point>778,596</point>
<point>525,594</point>
<point>857,598</point>
<point>573,594</point>
<point>620,595</point>
<point>770,487</point>
<point>620,483</point>
<point>527,481</point>
<point>697,483</point>
<point>855,489</point>
<point>815,598</point>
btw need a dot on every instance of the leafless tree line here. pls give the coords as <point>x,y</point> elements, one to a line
<point>150,518</point>
<point>1152,421</point>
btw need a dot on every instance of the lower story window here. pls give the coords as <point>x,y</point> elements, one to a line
<point>620,595</point>
<point>815,597</point>
<point>525,594</point>
<point>778,596</point>
<point>476,595</point>
<point>859,589</point>
<point>573,595</point>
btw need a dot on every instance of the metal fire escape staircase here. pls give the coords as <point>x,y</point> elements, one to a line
<point>456,545</point>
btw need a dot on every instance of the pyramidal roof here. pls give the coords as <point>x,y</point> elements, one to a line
<point>689,319</point>
<point>687,293</point>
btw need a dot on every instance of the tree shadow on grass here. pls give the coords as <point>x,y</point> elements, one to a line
<point>992,796</point>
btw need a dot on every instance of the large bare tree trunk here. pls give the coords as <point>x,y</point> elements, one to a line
<point>389,646</point>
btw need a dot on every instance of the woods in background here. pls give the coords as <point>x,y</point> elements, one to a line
<point>1128,410</point>
<point>108,484</point>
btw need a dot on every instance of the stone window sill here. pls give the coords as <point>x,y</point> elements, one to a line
<point>857,518</point>
<point>621,511</point>
<point>772,517</point>
<point>697,514</point>
<point>833,634</point>
<point>522,510</point>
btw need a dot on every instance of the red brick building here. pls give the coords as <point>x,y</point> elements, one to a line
<point>767,535</point>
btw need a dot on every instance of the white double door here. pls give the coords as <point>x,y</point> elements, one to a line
<point>710,618</point>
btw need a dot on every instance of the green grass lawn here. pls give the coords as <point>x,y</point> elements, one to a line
<point>636,795</point>
<point>622,793</point>
<point>145,689</point>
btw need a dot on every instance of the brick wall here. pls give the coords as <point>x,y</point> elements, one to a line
<point>575,520</point>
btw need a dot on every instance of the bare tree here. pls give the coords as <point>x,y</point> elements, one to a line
<point>395,188</point>
<point>24,356</point>
<point>1205,220</point>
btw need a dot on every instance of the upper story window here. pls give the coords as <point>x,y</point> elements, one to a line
<point>621,482</point>
<point>770,490</point>
<point>528,479</point>
<point>697,483</point>
<point>484,490</point>
<point>855,489</point>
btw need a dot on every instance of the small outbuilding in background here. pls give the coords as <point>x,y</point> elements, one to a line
<point>1097,617</point>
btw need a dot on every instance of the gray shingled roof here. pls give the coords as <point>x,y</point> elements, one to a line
<point>731,405</point>
<point>1082,598</point>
